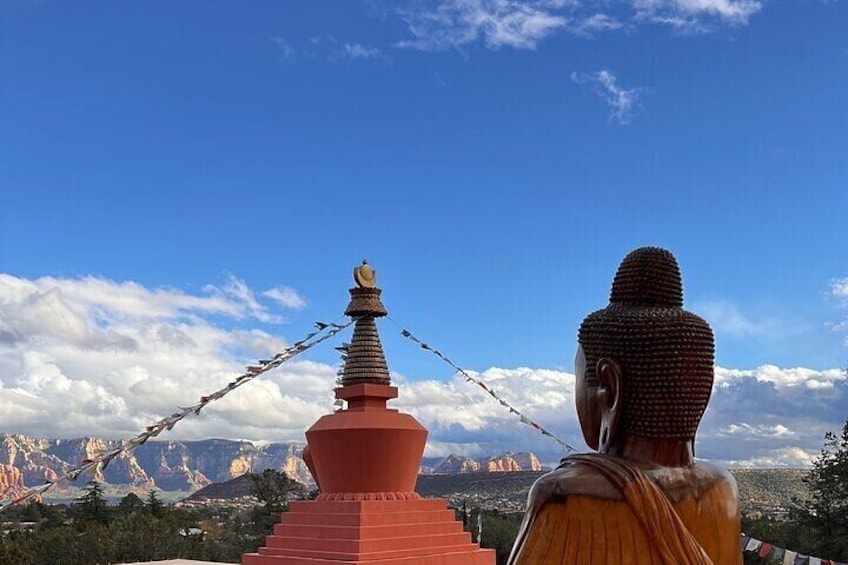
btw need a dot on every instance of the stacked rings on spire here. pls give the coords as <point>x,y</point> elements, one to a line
<point>365,362</point>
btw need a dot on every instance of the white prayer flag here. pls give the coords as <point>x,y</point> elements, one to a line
<point>753,545</point>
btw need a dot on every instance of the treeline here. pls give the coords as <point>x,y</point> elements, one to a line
<point>498,530</point>
<point>819,526</point>
<point>91,532</point>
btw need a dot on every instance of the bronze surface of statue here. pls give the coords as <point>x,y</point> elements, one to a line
<point>644,374</point>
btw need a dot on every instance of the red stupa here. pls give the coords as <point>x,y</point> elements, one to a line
<point>365,460</point>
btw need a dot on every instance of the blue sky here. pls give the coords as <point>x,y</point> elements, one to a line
<point>493,160</point>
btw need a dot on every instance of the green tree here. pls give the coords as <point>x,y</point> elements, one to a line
<point>273,490</point>
<point>32,512</point>
<point>91,506</point>
<point>824,518</point>
<point>130,503</point>
<point>499,531</point>
<point>153,504</point>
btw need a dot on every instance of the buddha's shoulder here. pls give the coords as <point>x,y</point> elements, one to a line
<point>696,481</point>
<point>574,477</point>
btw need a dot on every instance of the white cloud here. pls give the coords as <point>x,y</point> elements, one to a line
<point>784,380</point>
<point>725,317</point>
<point>437,25</point>
<point>451,24</point>
<point>762,323</point>
<point>744,428</point>
<point>839,288</point>
<point>91,356</point>
<point>597,23</point>
<point>286,297</point>
<point>328,48</point>
<point>359,51</point>
<point>236,291</point>
<point>670,11</point>
<point>622,101</point>
<point>782,457</point>
<point>287,50</point>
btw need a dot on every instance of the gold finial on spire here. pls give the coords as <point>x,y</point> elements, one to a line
<point>365,276</point>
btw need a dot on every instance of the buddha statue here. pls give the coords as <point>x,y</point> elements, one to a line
<point>644,374</point>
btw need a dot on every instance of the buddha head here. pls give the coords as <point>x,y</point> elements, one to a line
<point>644,365</point>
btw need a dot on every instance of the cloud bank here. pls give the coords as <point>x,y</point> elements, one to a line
<point>93,356</point>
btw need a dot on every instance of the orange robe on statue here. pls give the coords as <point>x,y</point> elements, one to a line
<point>640,527</point>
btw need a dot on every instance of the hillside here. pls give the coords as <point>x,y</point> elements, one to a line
<point>766,491</point>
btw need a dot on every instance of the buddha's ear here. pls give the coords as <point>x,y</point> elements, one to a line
<point>609,377</point>
<point>610,395</point>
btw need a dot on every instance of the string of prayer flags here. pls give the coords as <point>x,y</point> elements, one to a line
<point>522,418</point>
<point>102,460</point>
<point>780,556</point>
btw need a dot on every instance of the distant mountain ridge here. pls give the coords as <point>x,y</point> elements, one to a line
<point>191,465</point>
<point>167,465</point>
<point>504,463</point>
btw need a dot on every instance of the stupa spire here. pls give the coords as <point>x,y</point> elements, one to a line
<point>365,361</point>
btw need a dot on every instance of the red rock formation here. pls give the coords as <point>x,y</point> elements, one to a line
<point>502,464</point>
<point>11,482</point>
<point>455,464</point>
<point>527,461</point>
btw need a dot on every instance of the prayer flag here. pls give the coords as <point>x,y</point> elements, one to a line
<point>753,544</point>
<point>479,525</point>
<point>765,550</point>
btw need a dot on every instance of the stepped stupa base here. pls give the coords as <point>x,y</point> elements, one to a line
<point>366,532</point>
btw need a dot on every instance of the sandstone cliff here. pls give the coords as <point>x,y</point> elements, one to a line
<point>507,462</point>
<point>167,465</point>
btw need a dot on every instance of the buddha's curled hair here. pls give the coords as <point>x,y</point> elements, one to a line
<point>666,354</point>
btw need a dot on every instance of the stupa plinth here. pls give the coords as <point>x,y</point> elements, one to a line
<point>365,460</point>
